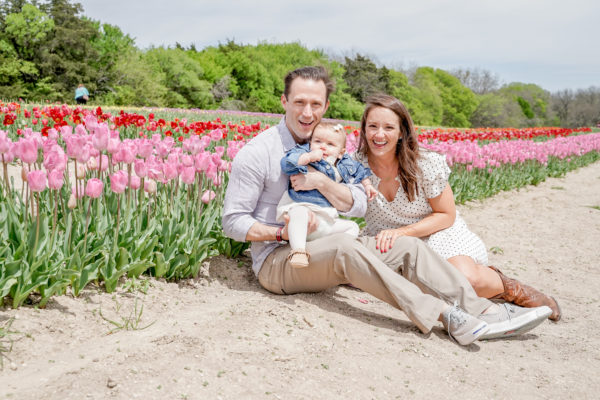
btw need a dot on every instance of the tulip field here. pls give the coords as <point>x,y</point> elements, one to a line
<point>104,195</point>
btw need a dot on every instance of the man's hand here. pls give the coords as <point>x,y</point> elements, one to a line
<point>313,224</point>
<point>309,181</point>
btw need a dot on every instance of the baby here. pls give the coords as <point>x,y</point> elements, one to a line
<point>327,155</point>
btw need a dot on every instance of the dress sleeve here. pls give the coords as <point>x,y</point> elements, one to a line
<point>435,172</point>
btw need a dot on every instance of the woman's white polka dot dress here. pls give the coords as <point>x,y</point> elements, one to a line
<point>453,241</point>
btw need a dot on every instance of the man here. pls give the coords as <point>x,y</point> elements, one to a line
<point>410,276</point>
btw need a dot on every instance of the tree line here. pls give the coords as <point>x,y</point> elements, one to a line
<point>48,47</point>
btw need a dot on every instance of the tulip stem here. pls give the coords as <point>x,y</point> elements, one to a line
<point>76,183</point>
<point>5,167</point>
<point>37,229</point>
<point>87,220</point>
<point>55,215</point>
<point>116,240</point>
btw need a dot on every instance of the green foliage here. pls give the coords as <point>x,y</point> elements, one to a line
<point>181,76</point>
<point>364,78</point>
<point>525,107</point>
<point>27,30</point>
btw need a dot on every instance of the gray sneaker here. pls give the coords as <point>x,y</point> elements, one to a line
<point>463,327</point>
<point>513,320</point>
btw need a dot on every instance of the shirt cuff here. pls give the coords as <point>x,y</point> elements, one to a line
<point>359,205</point>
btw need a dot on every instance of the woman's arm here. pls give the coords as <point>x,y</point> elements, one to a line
<point>442,217</point>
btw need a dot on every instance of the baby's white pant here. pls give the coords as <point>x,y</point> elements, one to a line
<point>298,227</point>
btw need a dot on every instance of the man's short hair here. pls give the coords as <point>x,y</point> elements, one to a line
<point>312,73</point>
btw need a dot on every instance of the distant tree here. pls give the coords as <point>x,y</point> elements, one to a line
<point>533,101</point>
<point>561,104</point>
<point>480,81</point>
<point>67,56</point>
<point>586,107</point>
<point>22,35</point>
<point>364,78</point>
<point>182,76</point>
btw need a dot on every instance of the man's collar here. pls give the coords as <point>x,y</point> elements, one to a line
<point>286,136</point>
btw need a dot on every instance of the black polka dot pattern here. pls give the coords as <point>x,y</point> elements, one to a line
<point>453,241</point>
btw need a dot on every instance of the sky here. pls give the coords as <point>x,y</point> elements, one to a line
<point>551,43</point>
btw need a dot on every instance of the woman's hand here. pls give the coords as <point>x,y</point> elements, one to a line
<point>386,238</point>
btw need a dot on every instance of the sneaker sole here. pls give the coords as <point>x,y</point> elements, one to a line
<point>473,335</point>
<point>517,326</point>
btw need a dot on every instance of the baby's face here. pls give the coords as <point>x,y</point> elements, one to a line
<point>330,142</point>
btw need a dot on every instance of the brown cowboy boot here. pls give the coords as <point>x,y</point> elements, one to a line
<point>526,296</point>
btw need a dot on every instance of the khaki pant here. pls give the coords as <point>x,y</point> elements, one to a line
<point>410,276</point>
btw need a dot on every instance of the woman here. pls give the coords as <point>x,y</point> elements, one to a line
<point>416,200</point>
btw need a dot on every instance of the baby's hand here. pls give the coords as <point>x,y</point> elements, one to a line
<point>316,155</point>
<point>371,192</point>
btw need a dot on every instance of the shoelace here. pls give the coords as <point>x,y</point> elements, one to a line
<point>509,309</point>
<point>455,314</point>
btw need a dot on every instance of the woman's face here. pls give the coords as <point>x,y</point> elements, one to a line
<point>382,131</point>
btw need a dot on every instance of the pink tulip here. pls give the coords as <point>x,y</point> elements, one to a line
<point>150,186</point>
<point>27,150</point>
<point>118,181</point>
<point>104,165</point>
<point>94,188</point>
<point>72,203</point>
<point>4,142</point>
<point>145,148</point>
<point>80,130</point>
<point>52,134</point>
<point>140,168</point>
<point>10,155</point>
<point>84,154</point>
<point>55,179</point>
<point>66,130</point>
<point>135,182</point>
<point>202,161</point>
<point>124,154</point>
<point>113,145</point>
<point>208,196</point>
<point>92,163</point>
<point>36,180</point>
<point>80,172</point>
<point>188,175</point>
<point>170,171</point>
<point>74,144</point>
<point>219,150</point>
<point>101,137</point>
<point>186,160</point>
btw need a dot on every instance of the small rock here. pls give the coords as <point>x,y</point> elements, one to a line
<point>13,366</point>
<point>110,383</point>
<point>95,360</point>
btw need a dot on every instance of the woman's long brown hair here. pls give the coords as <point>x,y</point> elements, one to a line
<point>407,150</point>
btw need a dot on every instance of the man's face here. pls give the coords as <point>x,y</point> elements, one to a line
<point>304,107</point>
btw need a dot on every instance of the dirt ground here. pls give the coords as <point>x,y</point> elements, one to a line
<point>222,336</point>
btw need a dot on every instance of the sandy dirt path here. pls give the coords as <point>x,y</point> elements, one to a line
<point>223,337</point>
